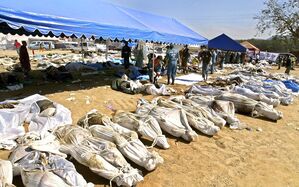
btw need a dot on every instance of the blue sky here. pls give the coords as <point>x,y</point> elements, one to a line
<point>207,17</point>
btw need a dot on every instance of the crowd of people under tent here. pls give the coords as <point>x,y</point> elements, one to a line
<point>209,59</point>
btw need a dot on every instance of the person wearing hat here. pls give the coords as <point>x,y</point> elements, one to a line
<point>172,56</point>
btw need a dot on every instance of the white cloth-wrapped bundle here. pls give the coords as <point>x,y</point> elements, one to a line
<point>6,173</point>
<point>172,121</point>
<point>226,110</point>
<point>200,99</point>
<point>244,104</point>
<point>256,96</point>
<point>204,90</point>
<point>147,127</point>
<point>37,111</point>
<point>202,110</point>
<point>101,156</point>
<point>127,142</point>
<point>151,89</point>
<point>41,164</point>
<point>196,121</point>
<point>284,99</point>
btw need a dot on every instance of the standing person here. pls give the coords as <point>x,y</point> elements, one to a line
<point>280,61</point>
<point>158,62</point>
<point>237,58</point>
<point>185,56</point>
<point>205,57</point>
<point>221,58</point>
<point>24,58</point>
<point>227,57</point>
<point>126,54</point>
<point>242,59</point>
<point>138,53</point>
<point>17,46</point>
<point>172,57</point>
<point>288,65</point>
<point>232,57</point>
<point>214,58</point>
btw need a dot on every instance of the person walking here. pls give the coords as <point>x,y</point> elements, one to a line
<point>17,46</point>
<point>280,59</point>
<point>172,57</point>
<point>288,65</point>
<point>126,54</point>
<point>213,61</point>
<point>205,57</point>
<point>24,58</point>
<point>185,56</point>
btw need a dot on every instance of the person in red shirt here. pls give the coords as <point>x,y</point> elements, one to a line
<point>17,46</point>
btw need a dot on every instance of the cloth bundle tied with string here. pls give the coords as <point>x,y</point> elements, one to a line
<point>126,140</point>
<point>101,156</point>
<point>147,126</point>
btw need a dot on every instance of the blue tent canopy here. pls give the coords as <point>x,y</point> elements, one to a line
<point>223,42</point>
<point>91,18</point>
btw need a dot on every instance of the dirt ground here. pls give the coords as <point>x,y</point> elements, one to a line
<point>231,158</point>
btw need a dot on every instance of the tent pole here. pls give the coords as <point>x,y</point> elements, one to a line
<point>153,60</point>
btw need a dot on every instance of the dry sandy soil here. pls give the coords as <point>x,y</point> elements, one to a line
<point>231,158</point>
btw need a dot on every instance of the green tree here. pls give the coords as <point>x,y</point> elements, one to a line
<point>281,16</point>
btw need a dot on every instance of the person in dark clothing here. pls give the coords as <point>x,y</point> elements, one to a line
<point>24,58</point>
<point>185,56</point>
<point>126,54</point>
<point>205,56</point>
<point>288,65</point>
<point>280,60</point>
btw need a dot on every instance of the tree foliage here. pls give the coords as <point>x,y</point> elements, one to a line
<point>281,16</point>
<point>275,44</point>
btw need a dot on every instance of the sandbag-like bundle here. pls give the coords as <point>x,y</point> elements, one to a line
<point>6,173</point>
<point>202,110</point>
<point>172,121</point>
<point>101,156</point>
<point>226,110</point>
<point>152,89</point>
<point>40,163</point>
<point>196,121</point>
<point>204,90</point>
<point>126,140</point>
<point>246,105</point>
<point>146,126</point>
<point>256,96</point>
<point>35,113</point>
<point>200,99</point>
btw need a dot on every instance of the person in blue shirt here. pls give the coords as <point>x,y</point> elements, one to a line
<point>172,56</point>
